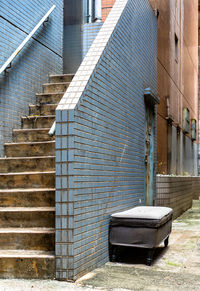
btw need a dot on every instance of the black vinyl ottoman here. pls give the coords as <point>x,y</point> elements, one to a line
<point>142,226</point>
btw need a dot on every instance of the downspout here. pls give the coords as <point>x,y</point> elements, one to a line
<point>89,10</point>
<point>97,16</point>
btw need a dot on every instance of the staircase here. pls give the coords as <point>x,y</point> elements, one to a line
<point>27,189</point>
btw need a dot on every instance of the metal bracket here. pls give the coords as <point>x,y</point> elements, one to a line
<point>47,20</point>
<point>7,68</point>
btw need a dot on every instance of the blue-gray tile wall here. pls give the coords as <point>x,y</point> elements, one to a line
<point>89,33</point>
<point>39,58</point>
<point>102,119</point>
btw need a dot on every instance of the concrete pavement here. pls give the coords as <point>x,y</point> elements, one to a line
<point>176,267</point>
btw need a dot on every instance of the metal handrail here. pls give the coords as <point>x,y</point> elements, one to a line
<point>10,59</point>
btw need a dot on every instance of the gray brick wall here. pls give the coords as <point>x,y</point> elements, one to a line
<point>100,137</point>
<point>77,41</point>
<point>177,192</point>
<point>90,31</point>
<point>41,56</point>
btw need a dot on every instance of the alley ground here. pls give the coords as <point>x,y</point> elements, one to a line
<point>176,267</point>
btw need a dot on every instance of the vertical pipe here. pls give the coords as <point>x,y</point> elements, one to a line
<point>89,11</point>
<point>97,10</point>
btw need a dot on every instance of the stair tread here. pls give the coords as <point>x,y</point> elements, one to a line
<point>61,75</point>
<point>38,104</point>
<point>32,129</point>
<point>27,230</point>
<point>27,190</point>
<point>26,254</point>
<point>56,83</point>
<point>37,116</point>
<point>53,93</point>
<point>29,142</point>
<point>26,209</point>
<point>27,158</point>
<point>27,173</point>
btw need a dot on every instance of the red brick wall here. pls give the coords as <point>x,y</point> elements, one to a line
<point>173,76</point>
<point>177,192</point>
<point>177,78</point>
<point>106,7</point>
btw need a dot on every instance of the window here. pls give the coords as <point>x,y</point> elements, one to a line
<point>176,47</point>
<point>186,120</point>
<point>193,129</point>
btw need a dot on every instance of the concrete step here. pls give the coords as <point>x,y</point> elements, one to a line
<point>27,217</point>
<point>55,87</point>
<point>32,135</point>
<point>42,197</point>
<point>37,121</point>
<point>27,264</point>
<point>49,98</point>
<point>42,239</point>
<point>44,109</point>
<point>27,164</point>
<point>61,78</point>
<point>27,180</point>
<point>30,149</point>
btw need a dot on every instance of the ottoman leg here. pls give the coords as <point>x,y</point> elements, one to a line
<point>150,256</point>
<point>112,253</point>
<point>166,241</point>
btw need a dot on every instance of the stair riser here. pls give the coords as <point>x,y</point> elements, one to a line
<point>60,79</point>
<point>30,199</point>
<point>24,165</point>
<point>38,122</point>
<point>27,181</point>
<point>27,241</point>
<point>27,268</point>
<point>42,109</point>
<point>27,219</point>
<point>54,88</point>
<point>30,150</point>
<point>31,136</point>
<point>49,98</point>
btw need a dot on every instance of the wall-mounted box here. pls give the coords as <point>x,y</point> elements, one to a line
<point>186,120</point>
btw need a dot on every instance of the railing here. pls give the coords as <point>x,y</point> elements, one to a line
<point>7,64</point>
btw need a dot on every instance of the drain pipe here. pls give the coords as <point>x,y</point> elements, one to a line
<point>97,11</point>
<point>89,11</point>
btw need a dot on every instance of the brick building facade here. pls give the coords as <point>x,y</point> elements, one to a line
<point>177,65</point>
<point>177,86</point>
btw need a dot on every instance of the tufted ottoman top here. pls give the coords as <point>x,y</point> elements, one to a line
<point>143,216</point>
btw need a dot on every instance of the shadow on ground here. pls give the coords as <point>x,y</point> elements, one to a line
<point>137,256</point>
